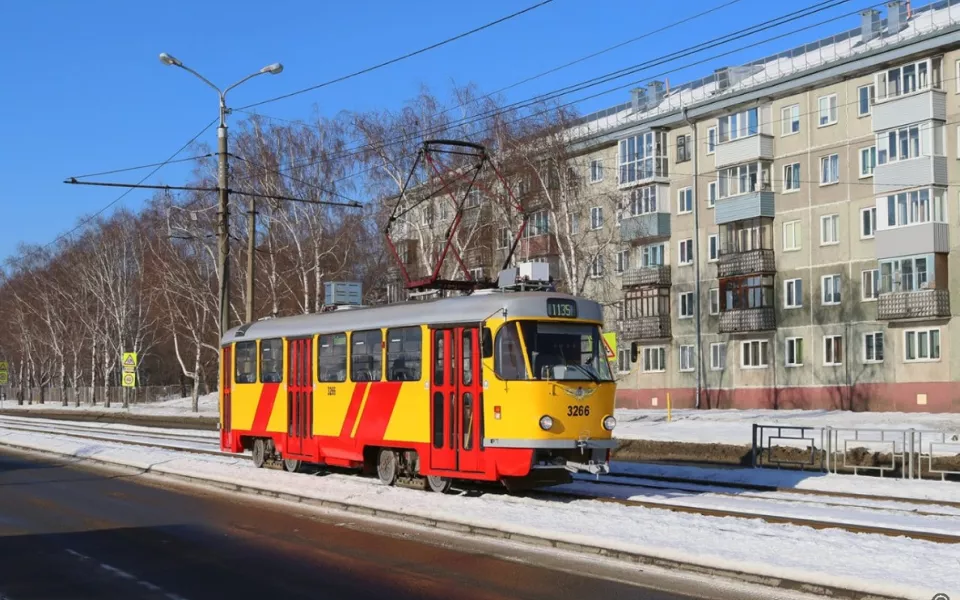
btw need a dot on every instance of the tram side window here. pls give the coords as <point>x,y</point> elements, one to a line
<point>332,358</point>
<point>508,354</point>
<point>365,362</point>
<point>403,354</point>
<point>271,361</point>
<point>246,362</point>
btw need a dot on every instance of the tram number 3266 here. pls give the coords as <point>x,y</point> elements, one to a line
<point>578,411</point>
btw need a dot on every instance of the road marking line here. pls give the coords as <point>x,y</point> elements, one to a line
<point>124,575</point>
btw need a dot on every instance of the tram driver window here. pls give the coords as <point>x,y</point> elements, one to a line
<point>403,354</point>
<point>565,351</point>
<point>271,361</point>
<point>508,355</point>
<point>246,362</point>
<point>366,358</point>
<point>332,358</point>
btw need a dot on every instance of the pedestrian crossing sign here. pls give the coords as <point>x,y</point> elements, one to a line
<point>610,343</point>
<point>129,362</point>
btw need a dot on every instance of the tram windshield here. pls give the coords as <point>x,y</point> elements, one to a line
<point>555,351</point>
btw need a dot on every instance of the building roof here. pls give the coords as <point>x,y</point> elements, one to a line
<point>460,309</point>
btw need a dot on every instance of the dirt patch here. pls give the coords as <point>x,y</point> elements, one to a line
<point>196,423</point>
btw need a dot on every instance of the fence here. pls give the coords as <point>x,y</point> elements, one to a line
<point>910,452</point>
<point>103,395</point>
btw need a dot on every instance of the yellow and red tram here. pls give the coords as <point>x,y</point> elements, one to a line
<point>509,387</point>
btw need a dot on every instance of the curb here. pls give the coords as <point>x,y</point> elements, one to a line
<point>123,418</point>
<point>483,532</point>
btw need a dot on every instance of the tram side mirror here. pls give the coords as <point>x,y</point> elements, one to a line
<point>633,352</point>
<point>486,342</point>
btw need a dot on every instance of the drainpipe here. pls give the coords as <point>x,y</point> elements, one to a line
<point>696,255</point>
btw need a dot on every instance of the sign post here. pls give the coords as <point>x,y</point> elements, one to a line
<point>4,379</point>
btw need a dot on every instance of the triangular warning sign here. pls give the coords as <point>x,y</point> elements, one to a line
<point>610,353</point>
<point>128,360</point>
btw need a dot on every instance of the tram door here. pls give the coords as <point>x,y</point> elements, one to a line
<point>299,394</point>
<point>455,399</point>
<point>226,385</point>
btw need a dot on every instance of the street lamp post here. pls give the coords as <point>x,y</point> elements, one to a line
<point>222,182</point>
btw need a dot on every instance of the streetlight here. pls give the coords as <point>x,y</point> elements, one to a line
<point>222,233</point>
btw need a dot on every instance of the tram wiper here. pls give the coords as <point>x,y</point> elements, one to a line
<point>592,377</point>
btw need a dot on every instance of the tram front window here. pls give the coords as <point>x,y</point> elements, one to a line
<point>555,351</point>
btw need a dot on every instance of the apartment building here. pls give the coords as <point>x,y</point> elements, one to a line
<point>814,195</point>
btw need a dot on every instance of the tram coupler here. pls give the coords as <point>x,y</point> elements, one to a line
<point>591,467</point>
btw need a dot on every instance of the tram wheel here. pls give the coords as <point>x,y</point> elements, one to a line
<point>387,466</point>
<point>291,465</point>
<point>440,485</point>
<point>259,453</point>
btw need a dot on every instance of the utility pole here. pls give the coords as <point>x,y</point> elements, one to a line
<point>251,248</point>
<point>223,216</point>
<point>698,353</point>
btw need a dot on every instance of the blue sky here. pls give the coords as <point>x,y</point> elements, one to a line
<point>83,90</point>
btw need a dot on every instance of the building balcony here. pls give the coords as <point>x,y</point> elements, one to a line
<point>922,238</point>
<point>751,262</point>
<point>908,109</point>
<point>655,327</point>
<point>744,206</point>
<point>922,171</point>
<point>916,305</point>
<point>647,276</point>
<point>747,320</point>
<point>642,228</point>
<point>744,150</point>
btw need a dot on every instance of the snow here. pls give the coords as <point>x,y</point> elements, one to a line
<point>179,407</point>
<point>900,567</point>
<point>717,426</point>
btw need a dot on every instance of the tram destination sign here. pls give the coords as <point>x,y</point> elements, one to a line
<point>561,307</point>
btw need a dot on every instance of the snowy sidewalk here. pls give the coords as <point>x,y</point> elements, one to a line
<point>898,567</point>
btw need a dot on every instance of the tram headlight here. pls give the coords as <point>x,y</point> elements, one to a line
<point>546,422</point>
<point>609,423</point>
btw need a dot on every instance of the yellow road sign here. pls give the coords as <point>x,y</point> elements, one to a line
<point>3,365</point>
<point>610,341</point>
<point>3,378</point>
<point>129,362</point>
<point>129,380</point>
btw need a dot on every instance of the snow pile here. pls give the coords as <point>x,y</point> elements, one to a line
<point>901,567</point>
<point>179,407</point>
<point>717,426</point>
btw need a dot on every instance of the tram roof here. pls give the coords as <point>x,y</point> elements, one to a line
<point>459,309</point>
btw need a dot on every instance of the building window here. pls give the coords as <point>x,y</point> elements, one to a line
<point>713,247</point>
<point>711,140</point>
<point>868,161</point>
<point>596,170</point>
<point>623,361</point>
<point>596,217</point>
<point>873,347</point>
<point>793,356</point>
<point>686,305</point>
<point>868,222</point>
<point>643,201</point>
<point>791,177</point>
<point>907,79</point>
<point>711,194</point>
<point>918,206</point>
<point>753,354</point>
<point>686,358</point>
<point>643,157</point>
<point>793,293</point>
<point>900,144</point>
<point>869,284</point>
<point>714,295</point>
<point>683,148</point>
<point>833,350</point>
<point>685,201</point>
<point>539,224</point>
<point>718,356</point>
<point>830,284</point>
<point>829,169</point>
<point>573,223</point>
<point>904,274</point>
<point>921,345</point>
<point>623,261</point>
<point>652,256</point>
<point>473,199</point>
<point>504,238</point>
<point>686,252</point>
<point>596,267</point>
<point>790,119</point>
<point>865,98</point>
<point>827,110</point>
<point>743,179</point>
<point>791,236</point>
<point>654,359</point>
<point>476,273</point>
<point>739,125</point>
<point>829,230</point>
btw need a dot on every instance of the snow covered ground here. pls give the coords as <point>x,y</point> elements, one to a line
<point>180,407</point>
<point>735,426</point>
<point>901,567</point>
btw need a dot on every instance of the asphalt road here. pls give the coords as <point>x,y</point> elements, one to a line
<point>74,533</point>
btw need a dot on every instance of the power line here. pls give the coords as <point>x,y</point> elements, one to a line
<point>354,203</point>
<point>124,194</point>
<point>400,58</point>
<point>159,164</point>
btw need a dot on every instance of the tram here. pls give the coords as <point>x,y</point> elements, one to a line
<point>502,387</point>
